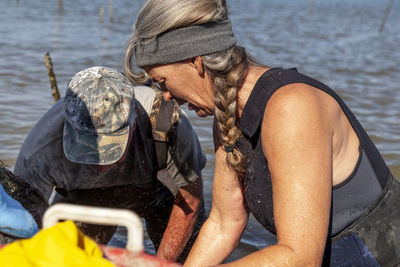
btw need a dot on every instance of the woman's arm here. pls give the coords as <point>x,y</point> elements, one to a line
<point>221,232</point>
<point>297,141</point>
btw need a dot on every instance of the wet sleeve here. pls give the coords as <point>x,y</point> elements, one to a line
<point>40,151</point>
<point>31,170</point>
<point>185,158</point>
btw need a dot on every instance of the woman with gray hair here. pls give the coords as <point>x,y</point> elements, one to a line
<point>288,149</point>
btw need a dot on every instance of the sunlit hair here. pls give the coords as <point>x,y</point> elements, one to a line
<point>227,69</point>
<point>158,16</point>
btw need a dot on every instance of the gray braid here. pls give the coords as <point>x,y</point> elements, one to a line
<point>228,69</point>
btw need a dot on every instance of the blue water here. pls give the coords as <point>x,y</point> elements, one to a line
<point>336,41</point>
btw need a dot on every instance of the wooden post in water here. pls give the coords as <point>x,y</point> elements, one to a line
<point>101,14</point>
<point>311,7</point>
<point>52,76</point>
<point>60,6</point>
<point>111,10</point>
<point>389,7</point>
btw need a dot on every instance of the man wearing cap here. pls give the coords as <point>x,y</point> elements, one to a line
<point>95,147</point>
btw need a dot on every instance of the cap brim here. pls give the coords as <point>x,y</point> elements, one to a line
<point>101,149</point>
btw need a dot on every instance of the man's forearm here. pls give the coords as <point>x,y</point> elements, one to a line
<point>181,222</point>
<point>177,234</point>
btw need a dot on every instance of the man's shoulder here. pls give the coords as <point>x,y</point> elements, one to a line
<point>48,129</point>
<point>145,95</point>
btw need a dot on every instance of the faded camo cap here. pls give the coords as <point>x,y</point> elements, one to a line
<point>99,109</point>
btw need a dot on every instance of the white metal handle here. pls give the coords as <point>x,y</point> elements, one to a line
<point>96,215</point>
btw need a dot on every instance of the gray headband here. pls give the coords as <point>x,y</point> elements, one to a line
<point>184,43</point>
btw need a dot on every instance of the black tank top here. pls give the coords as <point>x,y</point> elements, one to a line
<point>350,199</point>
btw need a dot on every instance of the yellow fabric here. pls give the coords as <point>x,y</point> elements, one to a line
<point>60,246</point>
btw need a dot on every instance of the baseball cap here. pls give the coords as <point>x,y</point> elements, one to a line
<point>99,109</point>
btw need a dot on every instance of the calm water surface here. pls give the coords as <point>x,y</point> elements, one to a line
<point>336,41</point>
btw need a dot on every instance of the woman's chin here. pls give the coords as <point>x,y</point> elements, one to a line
<point>199,111</point>
<point>203,112</point>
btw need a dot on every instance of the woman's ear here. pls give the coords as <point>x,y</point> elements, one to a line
<point>198,64</point>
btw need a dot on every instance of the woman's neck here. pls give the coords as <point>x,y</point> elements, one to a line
<point>250,80</point>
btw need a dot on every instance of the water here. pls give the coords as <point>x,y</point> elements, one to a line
<point>337,41</point>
